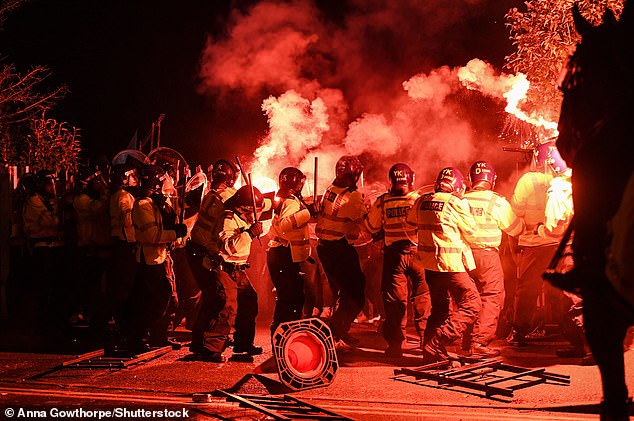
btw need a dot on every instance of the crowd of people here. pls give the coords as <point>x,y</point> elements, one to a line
<point>128,249</point>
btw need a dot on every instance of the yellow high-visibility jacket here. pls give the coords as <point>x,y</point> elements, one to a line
<point>41,222</point>
<point>445,224</point>
<point>121,227</point>
<point>290,228</point>
<point>92,220</point>
<point>529,203</point>
<point>234,240</point>
<point>341,215</point>
<point>150,235</point>
<point>493,214</point>
<point>390,213</point>
<point>209,222</point>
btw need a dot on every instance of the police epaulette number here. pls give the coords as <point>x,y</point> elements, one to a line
<point>331,196</point>
<point>432,206</point>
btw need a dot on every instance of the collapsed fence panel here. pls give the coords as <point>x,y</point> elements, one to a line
<point>488,376</point>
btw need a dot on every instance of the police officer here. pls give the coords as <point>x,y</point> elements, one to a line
<point>223,178</point>
<point>538,242</point>
<point>389,213</point>
<point>493,214</point>
<point>121,270</point>
<point>338,226</point>
<point>93,240</point>
<point>225,285</point>
<point>49,289</point>
<point>154,289</point>
<point>289,247</point>
<point>444,225</point>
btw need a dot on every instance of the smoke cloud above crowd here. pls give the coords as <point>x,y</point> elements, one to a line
<point>388,81</point>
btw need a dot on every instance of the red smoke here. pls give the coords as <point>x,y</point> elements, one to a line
<point>367,82</point>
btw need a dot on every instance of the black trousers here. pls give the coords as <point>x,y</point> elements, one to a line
<point>228,301</point>
<point>121,273</point>
<point>289,285</point>
<point>448,321</point>
<point>403,279</point>
<point>340,261</point>
<point>147,309</point>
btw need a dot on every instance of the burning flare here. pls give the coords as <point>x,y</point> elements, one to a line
<point>479,75</point>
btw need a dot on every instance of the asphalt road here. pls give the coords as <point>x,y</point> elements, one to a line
<point>364,386</point>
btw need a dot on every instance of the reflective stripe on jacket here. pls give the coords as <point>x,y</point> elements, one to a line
<point>235,241</point>
<point>290,228</point>
<point>493,214</point>
<point>341,214</point>
<point>390,213</point>
<point>529,203</point>
<point>150,235</point>
<point>444,225</point>
<point>121,227</point>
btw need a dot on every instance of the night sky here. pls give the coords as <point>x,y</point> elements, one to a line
<point>126,62</point>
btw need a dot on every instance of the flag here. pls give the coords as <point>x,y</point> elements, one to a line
<point>132,144</point>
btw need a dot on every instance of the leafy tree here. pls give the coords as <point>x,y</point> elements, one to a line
<point>27,137</point>
<point>544,36</point>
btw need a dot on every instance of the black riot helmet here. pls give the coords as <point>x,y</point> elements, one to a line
<point>481,174</point>
<point>242,202</point>
<point>152,179</point>
<point>45,183</point>
<point>401,178</point>
<point>223,171</point>
<point>123,175</point>
<point>291,182</point>
<point>26,185</point>
<point>347,171</point>
<point>450,180</point>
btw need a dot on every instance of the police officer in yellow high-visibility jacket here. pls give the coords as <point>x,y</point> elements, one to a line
<point>538,242</point>
<point>48,289</point>
<point>338,226</point>
<point>122,266</point>
<point>493,215</point>
<point>444,225</point>
<point>289,247</point>
<point>229,283</point>
<point>389,213</point>
<point>154,287</point>
<point>93,240</point>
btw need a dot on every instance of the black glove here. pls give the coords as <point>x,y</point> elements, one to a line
<point>314,209</point>
<point>181,230</point>
<point>255,230</point>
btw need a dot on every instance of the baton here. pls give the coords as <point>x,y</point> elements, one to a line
<point>244,175</point>
<point>315,180</point>
<point>255,212</point>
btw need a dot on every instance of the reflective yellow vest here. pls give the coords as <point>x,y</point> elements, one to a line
<point>92,220</point>
<point>341,214</point>
<point>41,222</point>
<point>290,228</point>
<point>209,222</point>
<point>121,227</point>
<point>444,224</point>
<point>150,235</point>
<point>493,214</point>
<point>529,203</point>
<point>235,241</point>
<point>390,213</point>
